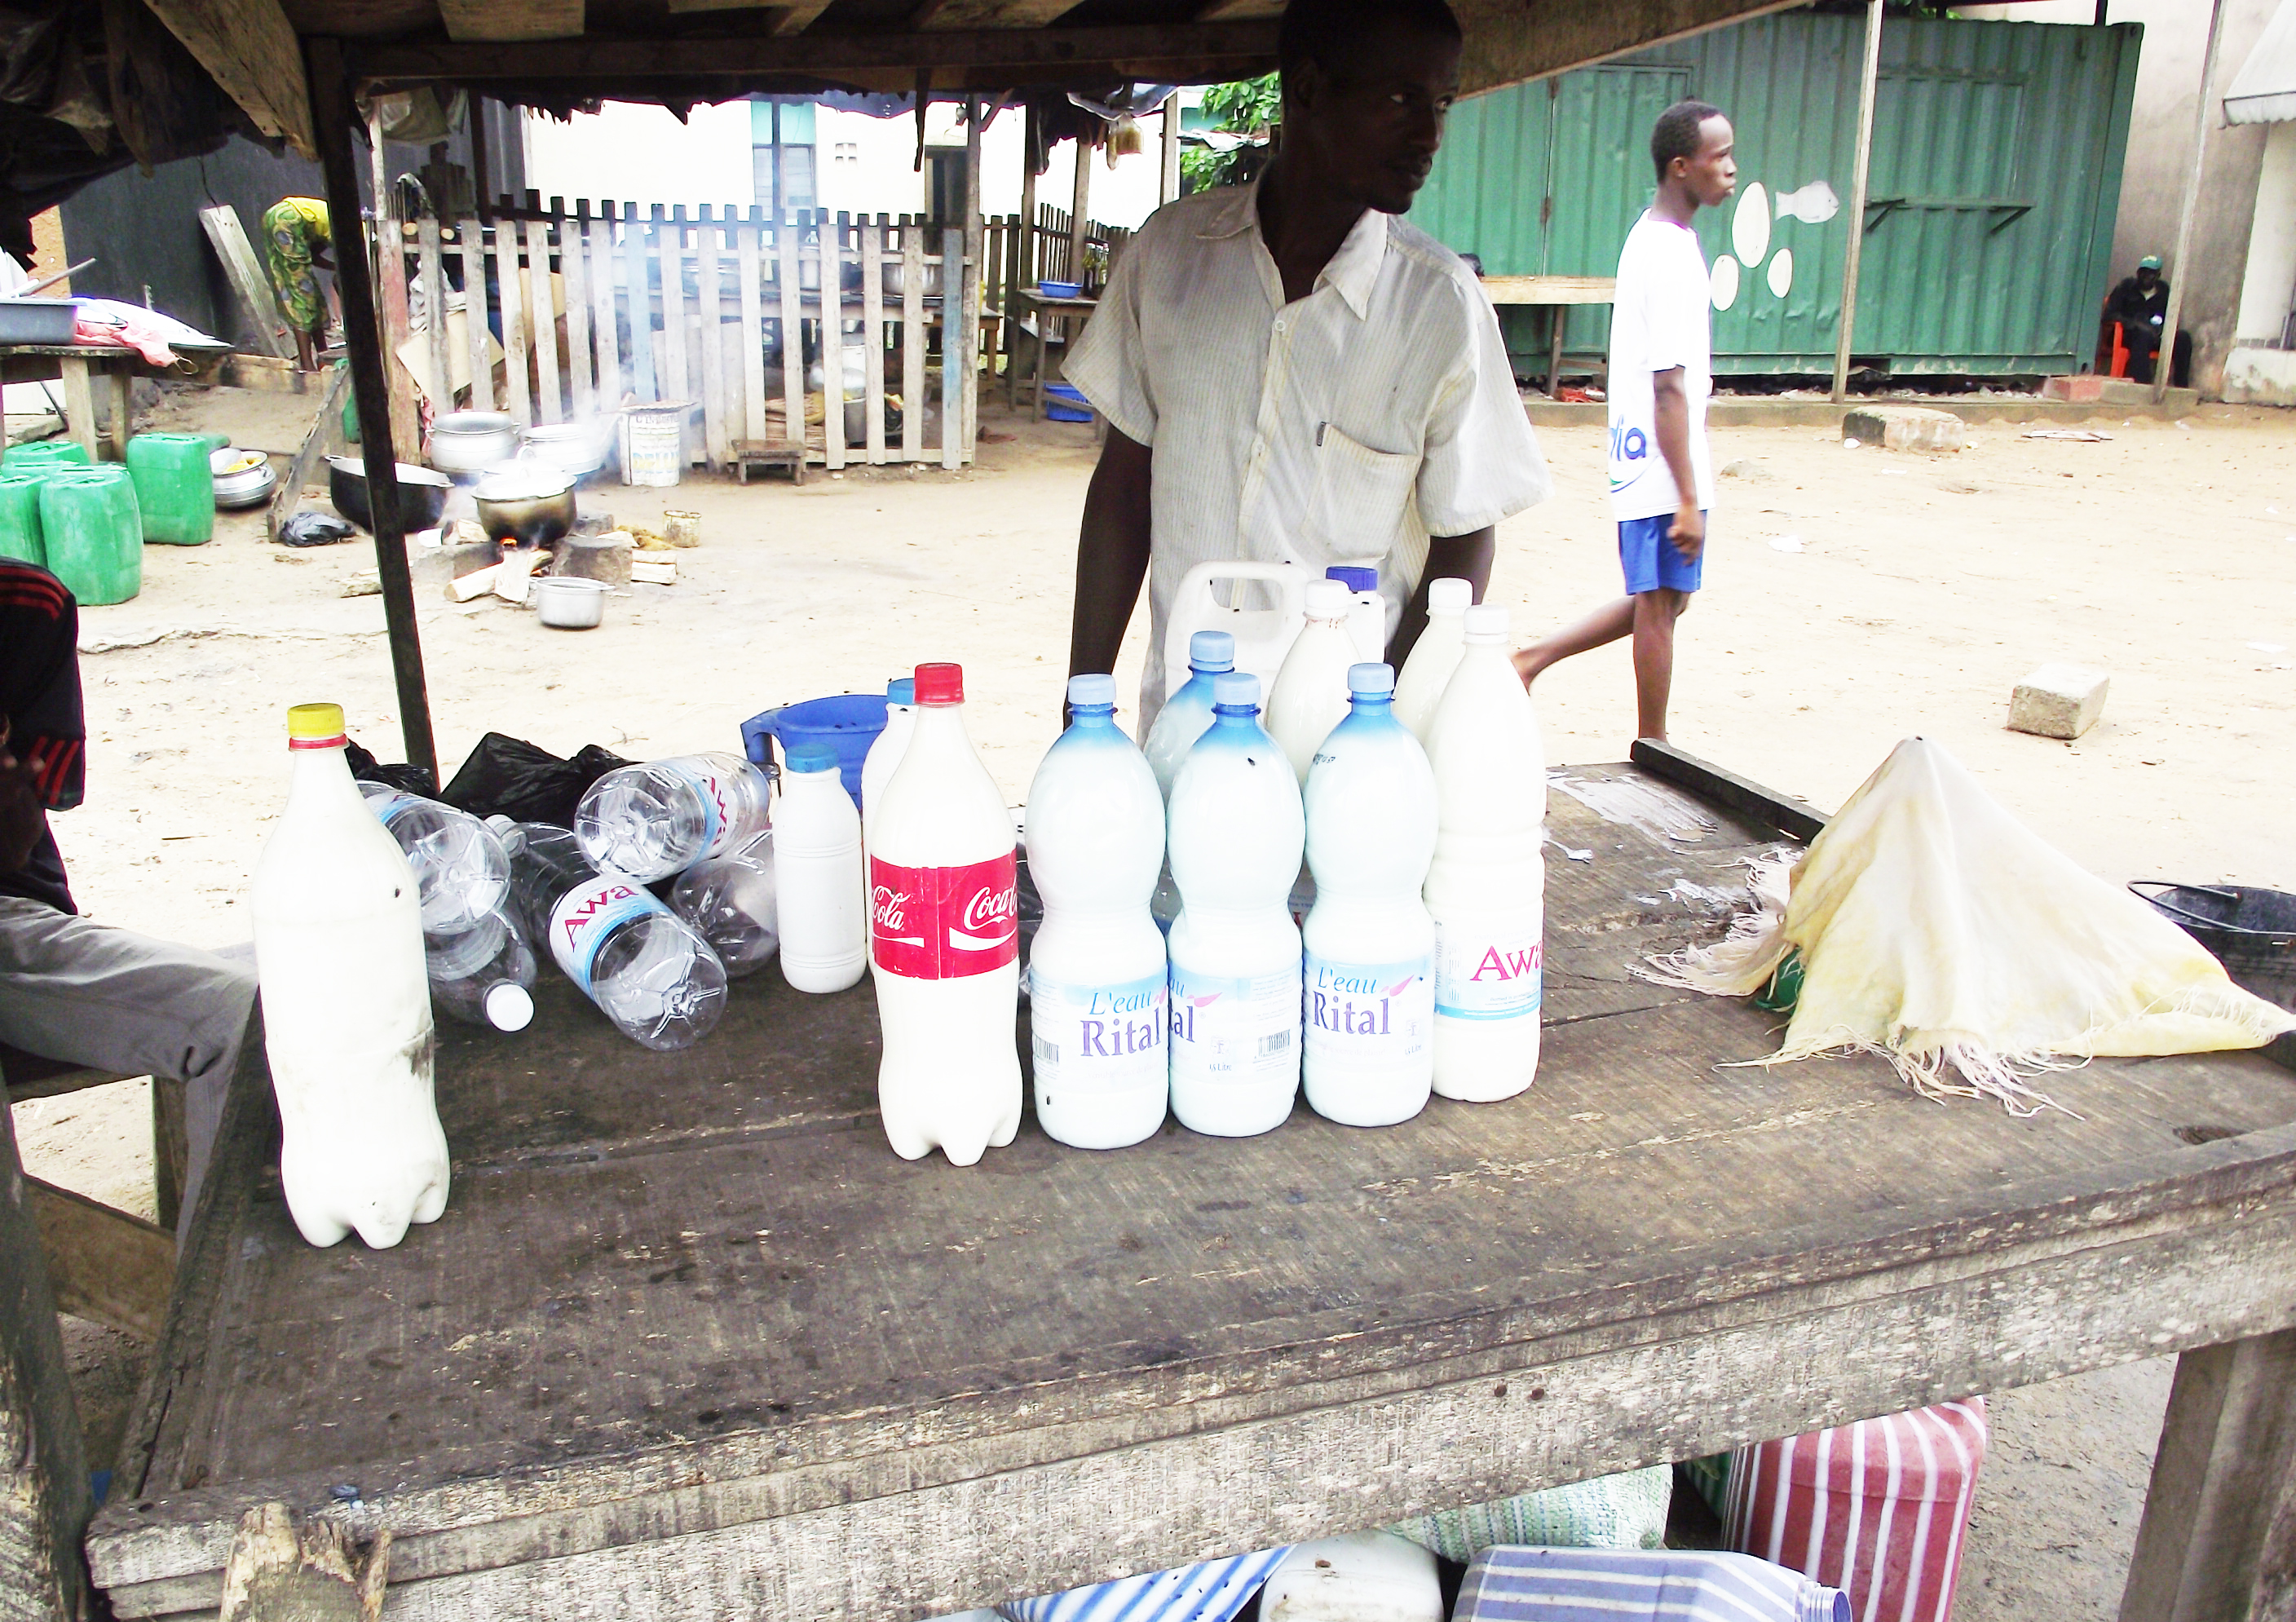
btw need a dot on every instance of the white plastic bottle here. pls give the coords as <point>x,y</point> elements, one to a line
<point>1098,1022</point>
<point>817,875</point>
<point>1487,888</point>
<point>1236,833</point>
<point>1419,686</point>
<point>1369,980</point>
<point>1188,713</point>
<point>877,767</point>
<point>1310,695</point>
<point>659,819</point>
<point>945,919</point>
<point>346,1009</point>
<point>1366,610</point>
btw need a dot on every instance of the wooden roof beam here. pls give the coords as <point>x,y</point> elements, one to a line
<point>249,49</point>
<point>1509,41</point>
<point>950,15</point>
<point>501,20</point>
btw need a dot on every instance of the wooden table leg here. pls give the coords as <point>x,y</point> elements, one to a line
<point>2218,1536</point>
<point>1554,352</point>
<point>79,405</point>
<point>123,412</point>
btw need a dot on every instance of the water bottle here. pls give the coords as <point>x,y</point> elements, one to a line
<point>1236,833</point>
<point>1188,713</point>
<point>945,915</point>
<point>1310,695</point>
<point>1434,656</point>
<point>652,820</point>
<point>1369,978</point>
<point>817,875</point>
<point>1097,1017</point>
<point>644,966</point>
<point>729,901</point>
<point>1487,887</point>
<point>1366,610</point>
<point>485,974</point>
<point>884,756</point>
<point>347,1013</point>
<point>459,865</point>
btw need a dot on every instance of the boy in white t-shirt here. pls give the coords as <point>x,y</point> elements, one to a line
<point>1662,371</point>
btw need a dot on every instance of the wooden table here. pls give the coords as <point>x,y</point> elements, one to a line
<point>1555,293</point>
<point>80,364</point>
<point>1045,306</point>
<point>690,1342</point>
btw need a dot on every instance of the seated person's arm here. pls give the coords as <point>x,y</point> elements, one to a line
<point>23,818</point>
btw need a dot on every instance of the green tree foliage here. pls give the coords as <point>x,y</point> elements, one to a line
<point>1249,106</point>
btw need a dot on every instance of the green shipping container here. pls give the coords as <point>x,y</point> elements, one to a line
<point>1996,178</point>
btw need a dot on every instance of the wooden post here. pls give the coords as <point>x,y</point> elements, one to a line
<point>603,331</point>
<point>474,311</point>
<point>1169,187</point>
<point>952,390</point>
<point>830,231</point>
<point>434,288</point>
<point>641,303</point>
<point>2205,113</point>
<point>913,341</point>
<point>481,182</point>
<point>507,288</point>
<point>1869,74</point>
<point>793,308</point>
<point>872,339</point>
<point>678,379</point>
<point>752,271</point>
<point>973,282</point>
<point>717,443</point>
<point>331,118</point>
<point>1028,200</point>
<point>1080,212</point>
<point>391,266</point>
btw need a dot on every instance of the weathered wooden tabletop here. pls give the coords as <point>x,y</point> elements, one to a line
<point>691,1342</point>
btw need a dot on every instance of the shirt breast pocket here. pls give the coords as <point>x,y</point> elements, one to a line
<point>1359,499</point>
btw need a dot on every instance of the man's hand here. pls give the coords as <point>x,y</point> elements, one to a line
<point>1688,531</point>
<point>23,817</point>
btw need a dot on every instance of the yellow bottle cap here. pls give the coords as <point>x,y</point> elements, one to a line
<point>314,721</point>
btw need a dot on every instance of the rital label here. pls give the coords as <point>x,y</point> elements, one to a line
<point>945,923</point>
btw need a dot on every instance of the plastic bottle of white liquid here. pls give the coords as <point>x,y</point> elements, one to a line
<point>1310,695</point>
<point>1366,610</point>
<point>1369,980</point>
<point>945,915</point>
<point>484,975</point>
<point>729,900</point>
<point>877,767</point>
<point>1188,713</point>
<point>817,875</point>
<point>1098,1021</point>
<point>1419,686</point>
<point>346,1009</point>
<point>1488,886</point>
<point>655,819</point>
<point>1236,833</point>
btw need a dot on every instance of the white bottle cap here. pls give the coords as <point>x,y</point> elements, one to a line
<point>1450,596</point>
<point>1376,679</point>
<point>1092,690</point>
<point>1328,600</point>
<point>508,1006</point>
<point>1235,690</point>
<point>1486,622</point>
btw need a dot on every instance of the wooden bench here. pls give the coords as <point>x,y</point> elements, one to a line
<point>768,454</point>
<point>1554,293</point>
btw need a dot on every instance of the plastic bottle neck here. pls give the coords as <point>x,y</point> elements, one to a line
<point>321,777</point>
<point>1239,718</point>
<point>1377,705</point>
<point>1210,670</point>
<point>1093,718</point>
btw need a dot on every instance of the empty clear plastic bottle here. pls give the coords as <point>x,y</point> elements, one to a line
<point>484,975</point>
<point>460,866</point>
<point>729,899</point>
<point>644,966</point>
<point>652,820</point>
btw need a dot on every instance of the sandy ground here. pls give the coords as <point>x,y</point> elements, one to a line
<point>1853,598</point>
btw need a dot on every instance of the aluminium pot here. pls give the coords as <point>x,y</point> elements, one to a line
<point>472,442</point>
<point>526,503</point>
<point>570,602</point>
<point>242,479</point>
<point>421,494</point>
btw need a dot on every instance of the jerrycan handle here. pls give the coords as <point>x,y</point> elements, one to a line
<point>1193,603</point>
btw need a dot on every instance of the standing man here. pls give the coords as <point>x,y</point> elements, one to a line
<point>1290,371</point>
<point>1662,371</point>
<point>296,237</point>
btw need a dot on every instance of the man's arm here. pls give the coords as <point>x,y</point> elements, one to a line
<point>1111,555</point>
<point>23,815</point>
<point>1466,557</point>
<point>1671,414</point>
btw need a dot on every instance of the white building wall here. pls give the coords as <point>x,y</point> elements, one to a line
<point>631,152</point>
<point>2269,289</point>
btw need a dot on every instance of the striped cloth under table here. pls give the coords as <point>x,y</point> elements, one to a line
<point>1522,1584</point>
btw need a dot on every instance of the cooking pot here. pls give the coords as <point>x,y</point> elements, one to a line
<point>570,602</point>
<point>421,493</point>
<point>242,478</point>
<point>472,442</point>
<point>578,449</point>
<point>527,503</point>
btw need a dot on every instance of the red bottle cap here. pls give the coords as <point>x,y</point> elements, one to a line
<point>940,684</point>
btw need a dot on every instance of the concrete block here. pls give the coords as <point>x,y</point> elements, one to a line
<point>2058,700</point>
<point>2086,388</point>
<point>1903,428</point>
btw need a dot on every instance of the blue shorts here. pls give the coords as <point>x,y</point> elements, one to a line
<point>1650,558</point>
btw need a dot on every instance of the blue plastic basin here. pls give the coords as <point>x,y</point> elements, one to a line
<point>848,723</point>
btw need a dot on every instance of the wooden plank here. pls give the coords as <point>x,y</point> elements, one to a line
<point>495,22</point>
<point>550,400</point>
<point>709,305</point>
<point>475,306</point>
<point>678,378</point>
<point>952,354</point>
<point>105,1265</point>
<point>830,232</point>
<point>873,338</point>
<point>508,278</point>
<point>1796,818</point>
<point>798,17</point>
<point>280,1571</point>
<point>44,1503</point>
<point>639,300</point>
<point>326,429</point>
<point>606,332</point>
<point>970,283</point>
<point>749,268</point>
<point>259,304</point>
<point>1167,186</point>
<point>434,285</point>
<point>171,1151</point>
<point>249,49</point>
<point>913,342</point>
<point>787,251</point>
<point>998,14</point>
<point>1549,289</point>
<point>573,243</point>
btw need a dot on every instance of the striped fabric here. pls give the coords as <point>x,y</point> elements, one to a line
<point>1622,1511</point>
<point>1212,1592</point>
<point>1877,1509</point>
<point>1510,1585</point>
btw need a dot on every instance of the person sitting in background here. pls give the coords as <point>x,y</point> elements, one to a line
<point>2139,306</point>
<point>296,238</point>
<point>71,989</point>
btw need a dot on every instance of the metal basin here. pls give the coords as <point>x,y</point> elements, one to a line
<point>421,493</point>
<point>531,506</point>
<point>242,478</point>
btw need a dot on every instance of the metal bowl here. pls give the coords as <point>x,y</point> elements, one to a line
<point>472,442</point>
<point>242,479</point>
<point>531,505</point>
<point>421,493</point>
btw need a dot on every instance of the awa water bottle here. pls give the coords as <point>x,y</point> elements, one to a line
<point>1097,1017</point>
<point>729,900</point>
<point>1236,833</point>
<point>1419,686</point>
<point>659,819</point>
<point>944,919</point>
<point>1310,695</point>
<point>484,975</point>
<point>459,865</point>
<point>1369,981</point>
<point>1487,887</point>
<point>817,875</point>
<point>1188,713</point>
<point>642,965</point>
<point>1366,610</point>
<point>346,1005</point>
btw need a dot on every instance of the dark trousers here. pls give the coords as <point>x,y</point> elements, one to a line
<point>2143,343</point>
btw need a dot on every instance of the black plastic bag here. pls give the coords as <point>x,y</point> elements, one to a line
<point>314,530</point>
<point>511,777</point>
<point>411,779</point>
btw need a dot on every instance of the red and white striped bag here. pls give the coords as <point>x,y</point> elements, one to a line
<point>1878,1508</point>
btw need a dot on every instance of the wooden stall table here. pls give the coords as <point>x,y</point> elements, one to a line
<point>690,1342</point>
<point>1555,293</point>
<point>81,366</point>
<point>1035,309</point>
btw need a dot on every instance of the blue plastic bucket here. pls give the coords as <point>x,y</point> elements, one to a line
<point>848,723</point>
<point>1065,403</point>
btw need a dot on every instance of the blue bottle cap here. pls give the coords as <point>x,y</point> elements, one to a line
<point>1235,690</point>
<point>1353,579</point>
<point>813,757</point>
<point>901,690</point>
<point>1096,691</point>
<point>1374,679</point>
<point>1211,652</point>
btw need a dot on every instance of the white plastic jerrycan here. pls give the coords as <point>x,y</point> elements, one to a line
<point>1263,636</point>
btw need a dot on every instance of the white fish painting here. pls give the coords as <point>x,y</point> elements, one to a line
<point>1813,204</point>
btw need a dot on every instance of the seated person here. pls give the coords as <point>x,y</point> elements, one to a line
<point>71,989</point>
<point>2139,307</point>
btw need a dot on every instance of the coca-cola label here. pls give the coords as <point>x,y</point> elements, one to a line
<point>1368,1018</point>
<point>944,923</point>
<point>586,917</point>
<point>1490,972</point>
